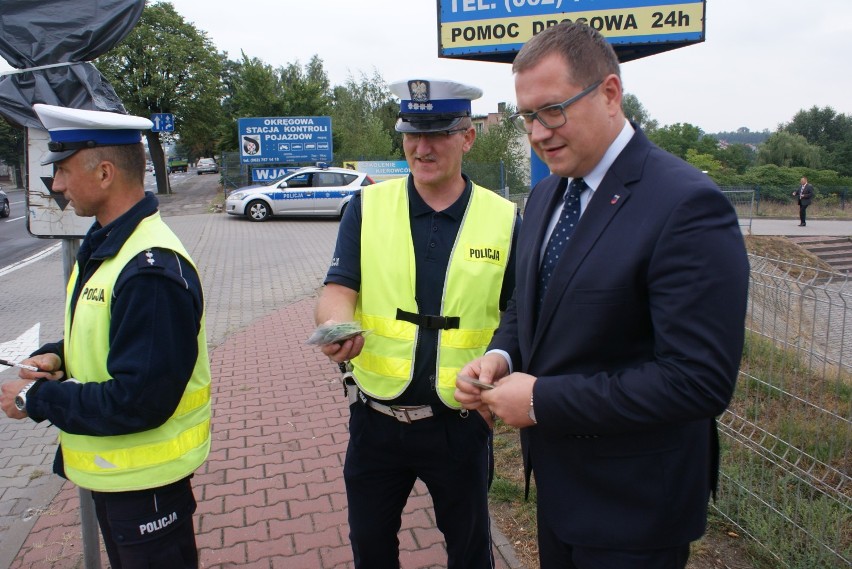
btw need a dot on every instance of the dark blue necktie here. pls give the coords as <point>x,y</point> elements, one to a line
<point>561,234</point>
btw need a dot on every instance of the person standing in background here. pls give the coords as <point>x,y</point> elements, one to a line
<point>804,195</point>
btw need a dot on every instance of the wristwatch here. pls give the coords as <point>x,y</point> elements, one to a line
<point>531,412</point>
<point>21,398</point>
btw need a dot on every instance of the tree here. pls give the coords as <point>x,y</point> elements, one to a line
<point>307,92</point>
<point>822,127</point>
<point>358,120</point>
<point>788,150</point>
<point>258,91</point>
<point>635,111</point>
<point>706,163</point>
<point>736,157</point>
<point>679,138</point>
<point>166,65</point>
<point>12,149</point>
<point>499,143</point>
<point>253,89</point>
<point>831,131</point>
<point>743,136</point>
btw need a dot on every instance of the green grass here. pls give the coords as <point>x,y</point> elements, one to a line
<point>791,513</point>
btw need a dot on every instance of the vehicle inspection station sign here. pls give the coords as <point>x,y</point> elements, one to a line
<point>495,30</point>
<point>285,140</point>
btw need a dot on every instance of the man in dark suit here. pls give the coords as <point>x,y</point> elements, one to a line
<point>617,373</point>
<point>805,195</point>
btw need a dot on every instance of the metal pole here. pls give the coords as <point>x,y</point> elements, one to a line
<point>69,256</point>
<point>89,529</point>
<point>88,520</point>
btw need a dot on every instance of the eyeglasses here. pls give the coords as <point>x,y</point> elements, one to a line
<point>551,116</point>
<point>440,135</point>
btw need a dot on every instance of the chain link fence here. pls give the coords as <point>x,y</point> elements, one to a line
<point>787,435</point>
<point>743,200</point>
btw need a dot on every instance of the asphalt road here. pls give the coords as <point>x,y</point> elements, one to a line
<point>18,245</point>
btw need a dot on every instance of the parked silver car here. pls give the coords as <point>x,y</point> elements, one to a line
<point>206,166</point>
<point>311,191</point>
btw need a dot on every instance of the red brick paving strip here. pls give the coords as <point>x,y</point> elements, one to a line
<point>271,493</point>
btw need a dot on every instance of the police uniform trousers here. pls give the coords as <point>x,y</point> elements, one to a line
<point>450,453</point>
<point>149,529</point>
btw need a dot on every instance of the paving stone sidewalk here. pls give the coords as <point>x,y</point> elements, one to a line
<point>271,494</point>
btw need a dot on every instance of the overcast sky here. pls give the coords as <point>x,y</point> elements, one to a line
<point>762,60</point>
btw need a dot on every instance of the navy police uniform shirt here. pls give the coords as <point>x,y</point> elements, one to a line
<point>433,234</point>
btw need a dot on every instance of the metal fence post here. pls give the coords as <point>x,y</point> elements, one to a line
<point>89,529</point>
<point>756,200</point>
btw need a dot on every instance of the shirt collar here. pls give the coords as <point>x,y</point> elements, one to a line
<point>596,176</point>
<point>106,241</point>
<point>418,207</point>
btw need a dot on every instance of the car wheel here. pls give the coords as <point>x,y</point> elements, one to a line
<point>343,209</point>
<point>199,173</point>
<point>5,210</point>
<point>257,211</point>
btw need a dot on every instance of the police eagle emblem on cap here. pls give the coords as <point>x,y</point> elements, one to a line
<point>419,91</point>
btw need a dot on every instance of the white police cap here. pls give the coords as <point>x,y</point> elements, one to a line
<point>74,129</point>
<point>432,105</point>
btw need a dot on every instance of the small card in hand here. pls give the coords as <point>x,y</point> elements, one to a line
<point>476,382</point>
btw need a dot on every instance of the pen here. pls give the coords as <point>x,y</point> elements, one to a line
<point>22,366</point>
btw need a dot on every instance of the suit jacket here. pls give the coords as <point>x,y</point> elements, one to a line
<point>806,196</point>
<point>636,351</point>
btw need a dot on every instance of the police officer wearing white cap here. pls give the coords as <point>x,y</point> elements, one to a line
<point>426,262</point>
<point>129,384</point>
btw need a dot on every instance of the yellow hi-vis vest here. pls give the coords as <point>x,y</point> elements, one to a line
<point>471,291</point>
<point>141,460</point>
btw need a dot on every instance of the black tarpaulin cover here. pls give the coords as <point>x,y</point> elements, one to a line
<point>48,32</point>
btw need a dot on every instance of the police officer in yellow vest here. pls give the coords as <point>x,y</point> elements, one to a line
<point>129,385</point>
<point>426,263</point>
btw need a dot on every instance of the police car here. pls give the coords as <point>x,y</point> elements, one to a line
<point>312,191</point>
